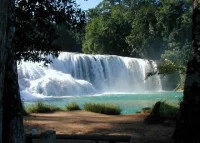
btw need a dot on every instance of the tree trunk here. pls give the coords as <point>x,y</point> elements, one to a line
<point>13,131</point>
<point>12,128</point>
<point>188,124</point>
<point>3,28</point>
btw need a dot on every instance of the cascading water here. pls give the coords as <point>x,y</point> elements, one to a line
<point>79,74</point>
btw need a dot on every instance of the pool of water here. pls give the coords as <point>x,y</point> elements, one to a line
<point>128,103</point>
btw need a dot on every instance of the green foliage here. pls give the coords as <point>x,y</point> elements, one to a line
<point>168,111</point>
<point>169,67</point>
<point>162,111</point>
<point>68,40</point>
<point>40,107</point>
<point>163,27</point>
<point>106,33</point>
<point>109,109</point>
<point>72,106</point>
<point>147,29</point>
<point>144,29</point>
<point>177,56</point>
<point>36,26</point>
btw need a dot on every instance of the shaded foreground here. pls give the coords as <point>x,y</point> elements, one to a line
<point>82,122</point>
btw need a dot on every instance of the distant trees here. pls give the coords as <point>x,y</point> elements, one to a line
<point>146,29</point>
<point>108,26</point>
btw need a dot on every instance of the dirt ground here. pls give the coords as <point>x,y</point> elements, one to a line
<point>82,122</point>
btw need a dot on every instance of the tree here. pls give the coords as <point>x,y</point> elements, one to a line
<point>159,26</point>
<point>3,52</point>
<point>12,128</point>
<point>68,40</point>
<point>105,34</point>
<point>144,30</point>
<point>188,123</point>
<point>37,20</point>
<point>33,41</point>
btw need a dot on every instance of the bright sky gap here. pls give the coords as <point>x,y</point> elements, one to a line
<point>85,5</point>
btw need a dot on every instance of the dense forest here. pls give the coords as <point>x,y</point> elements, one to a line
<point>147,29</point>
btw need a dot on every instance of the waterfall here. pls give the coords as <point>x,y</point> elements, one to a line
<point>80,74</point>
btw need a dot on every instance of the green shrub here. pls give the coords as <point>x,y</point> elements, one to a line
<point>162,111</point>
<point>40,107</point>
<point>72,106</point>
<point>108,109</point>
<point>168,110</point>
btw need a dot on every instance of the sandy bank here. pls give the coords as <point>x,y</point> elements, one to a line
<point>82,122</point>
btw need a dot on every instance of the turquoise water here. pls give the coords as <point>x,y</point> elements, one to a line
<point>129,103</point>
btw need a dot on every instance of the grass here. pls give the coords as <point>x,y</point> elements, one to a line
<point>72,106</point>
<point>108,109</point>
<point>40,107</point>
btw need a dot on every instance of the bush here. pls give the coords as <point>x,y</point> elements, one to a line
<point>40,107</point>
<point>162,111</point>
<point>168,111</point>
<point>72,106</point>
<point>108,109</point>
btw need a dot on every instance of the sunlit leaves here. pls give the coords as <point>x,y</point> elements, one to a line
<point>166,67</point>
<point>106,33</point>
<point>169,67</point>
